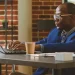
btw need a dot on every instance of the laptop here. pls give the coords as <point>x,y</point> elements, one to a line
<point>9,51</point>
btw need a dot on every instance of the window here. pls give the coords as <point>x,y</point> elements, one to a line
<point>73,1</point>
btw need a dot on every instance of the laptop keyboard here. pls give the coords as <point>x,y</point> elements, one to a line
<point>9,51</point>
<point>15,51</point>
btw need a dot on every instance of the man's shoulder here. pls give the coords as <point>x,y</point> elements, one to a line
<point>55,30</point>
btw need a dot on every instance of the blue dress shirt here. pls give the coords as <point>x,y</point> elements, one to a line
<point>52,43</point>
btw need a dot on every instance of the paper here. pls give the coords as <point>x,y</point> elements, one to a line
<point>64,56</point>
<point>42,54</point>
<point>46,54</point>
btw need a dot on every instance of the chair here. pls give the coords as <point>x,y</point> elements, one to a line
<point>16,73</point>
<point>45,25</point>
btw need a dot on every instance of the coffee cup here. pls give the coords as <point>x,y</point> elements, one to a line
<point>30,47</point>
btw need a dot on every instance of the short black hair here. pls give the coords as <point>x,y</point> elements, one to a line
<point>70,7</point>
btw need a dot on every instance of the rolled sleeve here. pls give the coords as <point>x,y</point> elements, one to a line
<point>42,47</point>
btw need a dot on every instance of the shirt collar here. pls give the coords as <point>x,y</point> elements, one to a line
<point>68,33</point>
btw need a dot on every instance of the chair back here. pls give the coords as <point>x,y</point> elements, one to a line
<point>44,25</point>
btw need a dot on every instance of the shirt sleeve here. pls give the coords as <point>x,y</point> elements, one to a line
<point>43,41</point>
<point>42,47</point>
<point>59,47</point>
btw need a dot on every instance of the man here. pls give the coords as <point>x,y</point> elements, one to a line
<point>60,39</point>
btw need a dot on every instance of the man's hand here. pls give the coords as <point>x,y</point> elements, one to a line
<point>37,47</point>
<point>16,45</point>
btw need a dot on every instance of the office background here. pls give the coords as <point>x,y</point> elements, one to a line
<point>41,10</point>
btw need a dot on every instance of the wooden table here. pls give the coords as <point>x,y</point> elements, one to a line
<point>47,62</point>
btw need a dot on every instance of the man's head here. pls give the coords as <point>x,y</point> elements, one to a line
<point>65,16</point>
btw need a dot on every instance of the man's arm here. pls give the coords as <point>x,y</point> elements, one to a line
<point>49,38</point>
<point>59,47</point>
<point>45,40</point>
<point>42,41</point>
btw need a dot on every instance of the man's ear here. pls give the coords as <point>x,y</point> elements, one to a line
<point>73,17</point>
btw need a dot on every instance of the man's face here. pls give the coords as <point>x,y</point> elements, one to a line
<point>62,18</point>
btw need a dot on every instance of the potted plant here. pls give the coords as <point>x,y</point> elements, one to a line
<point>5,24</point>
